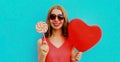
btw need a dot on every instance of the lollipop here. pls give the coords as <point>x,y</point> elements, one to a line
<point>42,28</point>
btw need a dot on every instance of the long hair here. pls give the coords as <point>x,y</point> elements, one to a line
<point>65,24</point>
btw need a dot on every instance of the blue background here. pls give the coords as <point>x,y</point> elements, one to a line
<point>18,37</point>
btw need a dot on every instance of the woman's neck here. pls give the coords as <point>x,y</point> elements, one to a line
<point>57,33</point>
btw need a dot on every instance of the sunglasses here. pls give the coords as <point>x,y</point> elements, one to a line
<point>59,16</point>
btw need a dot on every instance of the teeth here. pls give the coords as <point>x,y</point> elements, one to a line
<point>56,24</point>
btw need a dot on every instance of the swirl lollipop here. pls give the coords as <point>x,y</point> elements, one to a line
<point>42,28</point>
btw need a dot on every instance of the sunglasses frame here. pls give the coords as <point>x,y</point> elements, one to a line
<point>59,16</point>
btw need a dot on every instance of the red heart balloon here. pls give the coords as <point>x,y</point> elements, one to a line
<point>82,36</point>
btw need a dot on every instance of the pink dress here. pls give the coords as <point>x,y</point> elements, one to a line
<point>61,54</point>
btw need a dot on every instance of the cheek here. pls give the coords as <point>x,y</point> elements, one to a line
<point>50,21</point>
<point>62,21</point>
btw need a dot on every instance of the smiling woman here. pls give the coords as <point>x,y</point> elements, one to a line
<point>57,48</point>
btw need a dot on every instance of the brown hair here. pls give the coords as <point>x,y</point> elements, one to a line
<point>65,24</point>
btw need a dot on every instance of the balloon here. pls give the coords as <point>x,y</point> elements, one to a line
<point>82,36</point>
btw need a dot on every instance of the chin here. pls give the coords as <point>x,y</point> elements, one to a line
<point>57,28</point>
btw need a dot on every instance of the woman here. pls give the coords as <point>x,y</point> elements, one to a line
<point>56,47</point>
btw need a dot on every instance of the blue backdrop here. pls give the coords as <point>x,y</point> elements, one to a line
<point>18,37</point>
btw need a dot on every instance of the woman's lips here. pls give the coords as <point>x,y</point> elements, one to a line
<point>56,24</point>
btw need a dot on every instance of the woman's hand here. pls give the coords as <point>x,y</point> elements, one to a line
<point>76,56</point>
<point>43,50</point>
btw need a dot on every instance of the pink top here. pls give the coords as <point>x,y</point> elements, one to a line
<point>61,54</point>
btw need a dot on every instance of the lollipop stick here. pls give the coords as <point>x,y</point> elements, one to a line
<point>44,37</point>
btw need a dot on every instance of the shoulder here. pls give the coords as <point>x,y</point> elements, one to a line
<point>39,42</point>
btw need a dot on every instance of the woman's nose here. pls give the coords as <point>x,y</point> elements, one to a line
<point>56,19</point>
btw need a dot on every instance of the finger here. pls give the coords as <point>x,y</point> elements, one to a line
<point>73,59</point>
<point>79,53</point>
<point>44,50</point>
<point>45,47</point>
<point>44,43</point>
<point>77,58</point>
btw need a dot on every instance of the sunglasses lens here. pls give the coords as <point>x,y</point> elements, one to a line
<point>60,17</point>
<point>52,16</point>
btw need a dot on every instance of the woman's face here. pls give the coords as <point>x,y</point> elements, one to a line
<point>56,19</point>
